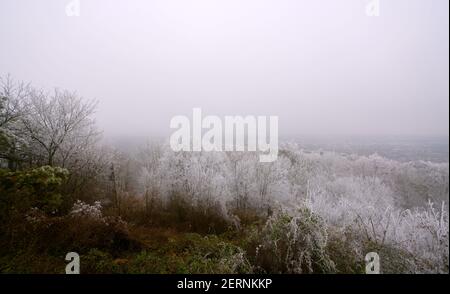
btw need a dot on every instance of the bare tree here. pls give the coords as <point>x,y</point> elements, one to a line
<point>150,174</point>
<point>59,125</point>
<point>13,105</point>
<point>13,97</point>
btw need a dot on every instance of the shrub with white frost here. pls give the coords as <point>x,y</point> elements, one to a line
<point>81,209</point>
<point>294,244</point>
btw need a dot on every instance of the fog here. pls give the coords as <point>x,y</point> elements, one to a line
<point>324,67</point>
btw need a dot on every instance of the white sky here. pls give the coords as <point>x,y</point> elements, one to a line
<point>323,66</point>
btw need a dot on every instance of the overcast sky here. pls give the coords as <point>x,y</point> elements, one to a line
<point>323,66</point>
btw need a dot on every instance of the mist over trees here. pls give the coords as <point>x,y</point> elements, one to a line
<point>156,210</point>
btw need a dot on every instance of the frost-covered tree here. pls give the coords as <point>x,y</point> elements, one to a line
<point>13,106</point>
<point>58,125</point>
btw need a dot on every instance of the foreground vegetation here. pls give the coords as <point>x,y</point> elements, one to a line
<point>183,239</point>
<point>158,211</point>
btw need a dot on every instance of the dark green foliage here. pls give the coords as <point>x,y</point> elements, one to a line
<point>39,187</point>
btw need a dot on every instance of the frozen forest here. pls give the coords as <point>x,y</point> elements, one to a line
<point>152,210</point>
<point>239,144</point>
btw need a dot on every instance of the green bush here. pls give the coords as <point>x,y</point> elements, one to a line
<point>39,187</point>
